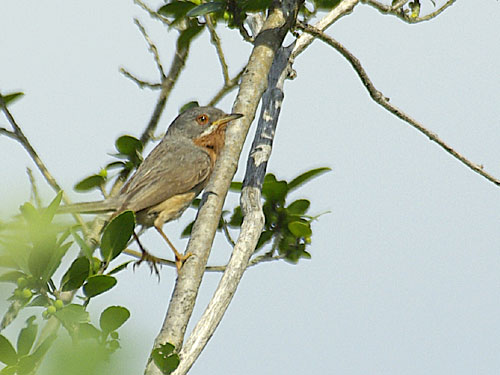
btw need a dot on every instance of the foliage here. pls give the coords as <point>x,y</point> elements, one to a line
<point>32,247</point>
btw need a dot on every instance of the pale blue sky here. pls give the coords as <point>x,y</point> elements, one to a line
<point>405,273</point>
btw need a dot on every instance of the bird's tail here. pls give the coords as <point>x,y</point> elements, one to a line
<point>88,207</point>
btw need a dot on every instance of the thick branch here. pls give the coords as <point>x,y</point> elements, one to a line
<point>379,98</point>
<point>253,84</point>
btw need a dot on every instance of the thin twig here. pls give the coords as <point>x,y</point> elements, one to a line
<point>225,229</point>
<point>230,85</point>
<point>379,98</point>
<point>21,138</point>
<point>214,37</point>
<point>152,48</point>
<point>140,82</point>
<point>34,189</point>
<point>397,10</point>
<point>152,13</point>
<point>8,133</point>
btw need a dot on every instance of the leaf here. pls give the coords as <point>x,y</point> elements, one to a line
<point>39,300</point>
<point>254,5</point>
<point>11,98</point>
<point>189,105</point>
<point>274,190</point>
<point>76,274</point>
<point>8,354</point>
<point>86,250</point>
<point>264,238</point>
<point>326,4</point>
<point>299,207</point>
<point>11,276</point>
<point>98,284</point>
<point>113,318</point>
<point>29,213</point>
<point>186,36</point>
<point>300,229</point>
<point>236,218</point>
<point>119,268</point>
<point>92,182</point>
<point>88,331</point>
<point>176,9</point>
<point>165,358</point>
<point>187,231</point>
<point>206,8</point>
<point>304,177</point>
<point>72,314</point>
<point>50,211</point>
<point>116,235</point>
<point>27,337</point>
<point>236,186</point>
<point>128,145</point>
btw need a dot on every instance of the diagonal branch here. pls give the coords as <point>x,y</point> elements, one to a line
<point>379,98</point>
<point>152,47</point>
<point>214,38</point>
<point>152,13</point>
<point>228,86</point>
<point>18,135</point>
<point>397,10</point>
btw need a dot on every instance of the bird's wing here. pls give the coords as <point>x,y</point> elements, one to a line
<point>175,166</point>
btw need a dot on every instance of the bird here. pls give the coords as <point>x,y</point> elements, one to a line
<point>171,176</point>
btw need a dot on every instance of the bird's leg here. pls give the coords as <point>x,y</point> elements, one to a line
<point>179,258</point>
<point>146,256</point>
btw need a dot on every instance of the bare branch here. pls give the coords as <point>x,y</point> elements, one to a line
<point>214,38</point>
<point>8,133</point>
<point>152,13</point>
<point>152,47</point>
<point>34,189</point>
<point>397,10</point>
<point>140,82</point>
<point>228,87</point>
<point>21,138</point>
<point>379,98</point>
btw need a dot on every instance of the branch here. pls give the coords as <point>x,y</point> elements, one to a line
<point>253,84</point>
<point>214,38</point>
<point>152,13</point>
<point>152,47</point>
<point>397,10</point>
<point>19,136</point>
<point>253,217</point>
<point>138,81</point>
<point>379,98</point>
<point>230,85</point>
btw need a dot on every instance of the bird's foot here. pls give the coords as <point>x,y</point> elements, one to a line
<point>152,262</point>
<point>180,259</point>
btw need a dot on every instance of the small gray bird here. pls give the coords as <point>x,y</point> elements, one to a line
<point>172,175</point>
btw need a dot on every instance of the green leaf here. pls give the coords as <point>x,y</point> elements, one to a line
<point>265,236</point>
<point>113,318</point>
<point>304,177</point>
<point>91,182</point>
<point>11,276</point>
<point>8,354</point>
<point>176,9</point>
<point>88,331</point>
<point>72,314</point>
<point>274,190</point>
<point>165,358</point>
<point>98,284</point>
<point>189,105</point>
<point>115,164</point>
<point>86,250</point>
<point>206,8</point>
<point>186,36</point>
<point>300,229</point>
<point>187,231</point>
<point>29,213</point>
<point>236,186</point>
<point>299,207</point>
<point>76,274</point>
<point>116,235</point>
<point>119,268</point>
<point>39,300</point>
<point>236,218</point>
<point>254,5</point>
<point>128,145</point>
<point>27,336</point>
<point>50,211</point>
<point>11,98</point>
<point>326,4</point>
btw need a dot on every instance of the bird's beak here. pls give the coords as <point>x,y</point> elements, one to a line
<point>226,119</point>
<point>220,123</point>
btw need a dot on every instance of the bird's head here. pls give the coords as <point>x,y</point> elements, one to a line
<point>198,122</point>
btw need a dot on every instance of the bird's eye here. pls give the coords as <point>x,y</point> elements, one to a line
<point>202,119</point>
